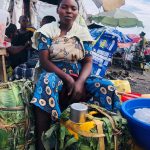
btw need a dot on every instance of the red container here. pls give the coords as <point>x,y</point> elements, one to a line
<point>129,96</point>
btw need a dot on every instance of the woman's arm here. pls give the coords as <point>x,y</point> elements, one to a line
<point>47,65</point>
<point>86,63</point>
<point>16,49</point>
<point>86,69</point>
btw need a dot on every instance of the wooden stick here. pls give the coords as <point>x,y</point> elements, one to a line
<point>4,68</point>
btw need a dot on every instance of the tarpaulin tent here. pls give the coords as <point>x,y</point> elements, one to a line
<point>29,8</point>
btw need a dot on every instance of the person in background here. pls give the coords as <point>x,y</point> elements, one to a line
<point>66,61</point>
<point>47,19</point>
<point>10,34</point>
<point>21,44</point>
<point>142,43</point>
<point>27,69</point>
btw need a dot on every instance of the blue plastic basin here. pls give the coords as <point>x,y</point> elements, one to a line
<point>139,130</point>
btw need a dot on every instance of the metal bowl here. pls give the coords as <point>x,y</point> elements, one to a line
<point>78,112</point>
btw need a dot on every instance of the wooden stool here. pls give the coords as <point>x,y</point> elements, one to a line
<point>3,74</point>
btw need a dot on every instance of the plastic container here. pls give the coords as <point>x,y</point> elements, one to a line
<point>4,19</point>
<point>130,96</point>
<point>139,130</point>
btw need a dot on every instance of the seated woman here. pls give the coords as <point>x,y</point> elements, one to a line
<point>65,49</point>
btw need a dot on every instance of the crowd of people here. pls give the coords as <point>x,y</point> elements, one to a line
<point>63,50</point>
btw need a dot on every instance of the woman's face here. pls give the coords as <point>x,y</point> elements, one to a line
<point>68,11</point>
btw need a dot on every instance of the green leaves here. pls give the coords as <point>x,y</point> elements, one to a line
<point>59,136</point>
<point>49,138</point>
<point>13,97</point>
<point>70,142</point>
<point>62,136</point>
<point>3,139</point>
<point>84,147</point>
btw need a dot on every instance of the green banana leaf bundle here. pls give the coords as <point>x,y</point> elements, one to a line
<point>16,129</point>
<point>60,137</point>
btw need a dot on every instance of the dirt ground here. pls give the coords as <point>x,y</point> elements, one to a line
<point>139,82</point>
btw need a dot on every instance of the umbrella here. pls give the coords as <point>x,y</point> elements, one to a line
<point>118,18</point>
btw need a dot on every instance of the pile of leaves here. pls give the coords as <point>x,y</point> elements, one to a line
<point>15,116</point>
<point>59,136</point>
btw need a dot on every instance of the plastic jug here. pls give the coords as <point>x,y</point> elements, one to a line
<point>4,19</point>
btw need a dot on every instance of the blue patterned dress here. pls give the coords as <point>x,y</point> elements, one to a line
<point>49,85</point>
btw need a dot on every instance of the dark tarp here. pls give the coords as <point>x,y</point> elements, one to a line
<point>54,2</point>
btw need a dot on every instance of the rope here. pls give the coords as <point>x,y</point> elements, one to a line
<point>99,125</point>
<point>115,130</point>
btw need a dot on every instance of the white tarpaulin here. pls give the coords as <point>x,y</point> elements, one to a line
<point>39,9</point>
<point>90,7</point>
<point>87,8</point>
<point>44,9</point>
<point>98,3</point>
<point>4,4</point>
<point>17,12</point>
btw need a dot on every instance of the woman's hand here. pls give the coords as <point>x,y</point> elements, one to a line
<point>70,83</point>
<point>78,91</point>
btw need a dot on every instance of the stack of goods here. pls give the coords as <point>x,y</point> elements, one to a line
<point>102,130</point>
<point>16,130</point>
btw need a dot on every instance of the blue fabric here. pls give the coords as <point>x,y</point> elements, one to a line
<point>122,38</point>
<point>23,71</point>
<point>46,95</point>
<point>49,85</point>
<point>43,42</point>
<point>26,70</point>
